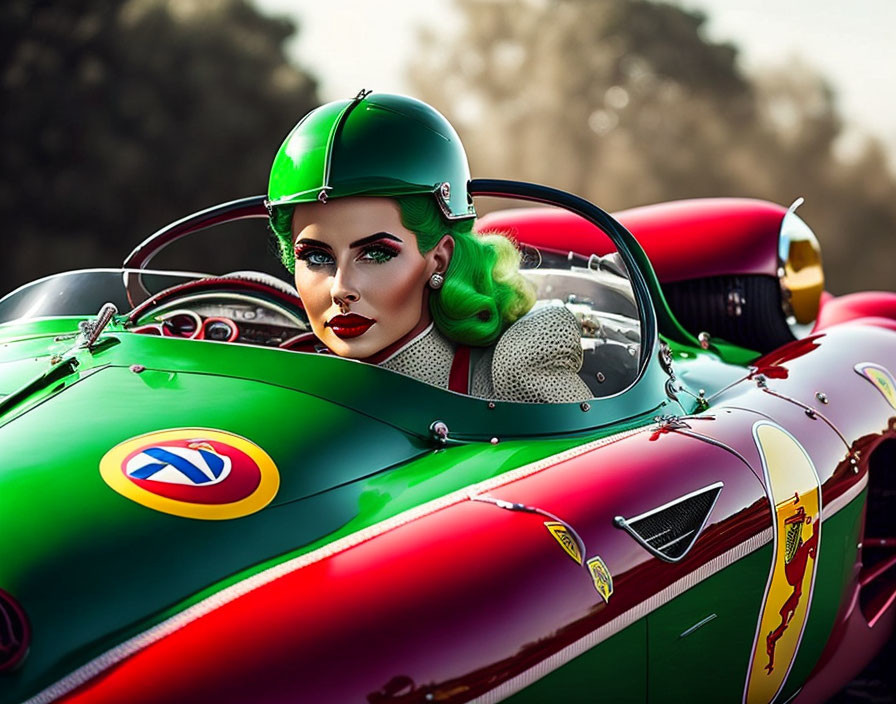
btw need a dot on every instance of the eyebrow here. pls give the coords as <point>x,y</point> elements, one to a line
<point>357,243</point>
<point>374,238</point>
<point>308,240</point>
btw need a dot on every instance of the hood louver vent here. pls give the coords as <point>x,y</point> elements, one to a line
<point>670,530</point>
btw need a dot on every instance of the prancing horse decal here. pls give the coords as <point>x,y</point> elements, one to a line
<point>795,495</point>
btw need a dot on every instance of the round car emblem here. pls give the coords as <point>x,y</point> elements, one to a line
<point>15,633</point>
<point>192,472</point>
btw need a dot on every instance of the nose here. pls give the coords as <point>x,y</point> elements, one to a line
<point>342,290</point>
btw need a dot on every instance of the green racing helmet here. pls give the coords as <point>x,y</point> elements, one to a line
<point>377,144</point>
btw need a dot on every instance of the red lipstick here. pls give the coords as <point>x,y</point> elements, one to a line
<point>348,326</point>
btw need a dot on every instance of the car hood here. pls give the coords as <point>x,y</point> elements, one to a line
<point>88,562</point>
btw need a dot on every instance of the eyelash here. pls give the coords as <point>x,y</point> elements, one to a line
<point>379,253</point>
<point>308,254</point>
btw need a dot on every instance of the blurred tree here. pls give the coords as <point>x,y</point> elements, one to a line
<point>626,102</point>
<point>123,116</point>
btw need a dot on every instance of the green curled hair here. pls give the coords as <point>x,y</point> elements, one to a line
<point>281,224</point>
<point>484,292</point>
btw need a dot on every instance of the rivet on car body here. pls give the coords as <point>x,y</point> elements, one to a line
<point>137,368</point>
<point>601,377</point>
<point>585,406</point>
<point>821,396</point>
<point>704,338</point>
<point>494,441</point>
<point>439,432</point>
<point>811,413</point>
<point>491,405</point>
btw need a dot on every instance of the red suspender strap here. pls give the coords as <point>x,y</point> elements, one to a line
<point>459,378</point>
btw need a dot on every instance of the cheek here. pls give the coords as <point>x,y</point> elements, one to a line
<point>404,292</point>
<point>313,291</point>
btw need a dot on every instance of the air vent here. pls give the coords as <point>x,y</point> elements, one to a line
<point>670,530</point>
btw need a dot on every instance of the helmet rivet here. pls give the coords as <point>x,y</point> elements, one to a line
<point>445,191</point>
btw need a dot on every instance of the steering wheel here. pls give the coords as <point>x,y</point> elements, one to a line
<point>172,320</point>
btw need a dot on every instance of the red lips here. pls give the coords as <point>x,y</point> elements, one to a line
<point>351,325</point>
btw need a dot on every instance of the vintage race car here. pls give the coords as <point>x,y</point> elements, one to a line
<point>197,506</point>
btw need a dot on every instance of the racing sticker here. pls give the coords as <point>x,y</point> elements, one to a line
<point>563,536</point>
<point>603,580</point>
<point>192,472</point>
<point>795,496</point>
<point>881,378</point>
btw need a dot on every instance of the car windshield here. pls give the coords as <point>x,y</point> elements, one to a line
<point>79,293</point>
<point>573,264</point>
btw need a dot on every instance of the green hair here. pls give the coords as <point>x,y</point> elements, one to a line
<point>484,292</point>
<point>281,224</point>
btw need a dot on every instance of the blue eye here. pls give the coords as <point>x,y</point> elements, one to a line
<point>379,253</point>
<point>314,257</point>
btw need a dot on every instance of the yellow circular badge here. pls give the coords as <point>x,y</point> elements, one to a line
<point>193,472</point>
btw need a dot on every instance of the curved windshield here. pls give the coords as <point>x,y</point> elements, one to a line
<point>84,292</point>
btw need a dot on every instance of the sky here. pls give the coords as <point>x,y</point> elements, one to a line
<point>354,44</point>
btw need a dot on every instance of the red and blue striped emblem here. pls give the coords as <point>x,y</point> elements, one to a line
<point>199,473</point>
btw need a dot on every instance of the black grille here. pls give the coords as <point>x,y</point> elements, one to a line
<point>758,323</point>
<point>670,531</point>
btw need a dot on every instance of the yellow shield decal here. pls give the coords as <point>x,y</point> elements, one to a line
<point>881,378</point>
<point>795,496</point>
<point>603,580</point>
<point>564,537</point>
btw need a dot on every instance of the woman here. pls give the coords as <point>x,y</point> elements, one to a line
<point>368,199</point>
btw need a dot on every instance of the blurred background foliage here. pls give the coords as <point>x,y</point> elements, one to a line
<point>627,103</point>
<point>123,116</point>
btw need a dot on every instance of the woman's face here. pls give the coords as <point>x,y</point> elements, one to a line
<point>360,274</point>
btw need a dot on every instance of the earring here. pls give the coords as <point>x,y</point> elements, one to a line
<point>436,281</point>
